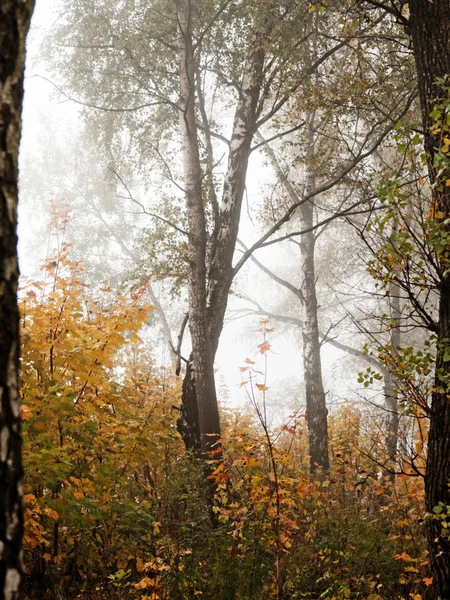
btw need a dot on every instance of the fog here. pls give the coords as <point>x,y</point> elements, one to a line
<point>61,167</point>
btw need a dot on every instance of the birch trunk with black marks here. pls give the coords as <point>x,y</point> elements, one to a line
<point>429,26</point>
<point>210,260</point>
<point>316,410</point>
<point>202,362</point>
<point>15,18</point>
<point>220,271</point>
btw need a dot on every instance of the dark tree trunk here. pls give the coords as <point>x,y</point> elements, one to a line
<point>430,32</point>
<point>188,424</point>
<point>14,22</point>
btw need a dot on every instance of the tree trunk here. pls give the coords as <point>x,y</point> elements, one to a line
<point>430,32</point>
<point>14,22</point>
<point>390,392</point>
<point>202,356</point>
<point>188,424</point>
<point>220,273</point>
<point>316,410</point>
<point>209,284</point>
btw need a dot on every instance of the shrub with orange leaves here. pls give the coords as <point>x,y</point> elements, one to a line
<point>98,428</point>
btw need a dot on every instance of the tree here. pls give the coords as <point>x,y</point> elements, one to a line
<point>429,24</point>
<point>15,18</point>
<point>164,71</point>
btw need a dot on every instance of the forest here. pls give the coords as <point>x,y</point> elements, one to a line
<point>225,366</point>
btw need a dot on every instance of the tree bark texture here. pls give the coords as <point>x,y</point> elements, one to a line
<point>202,356</point>
<point>220,272</point>
<point>316,410</point>
<point>210,259</point>
<point>14,23</point>
<point>429,26</point>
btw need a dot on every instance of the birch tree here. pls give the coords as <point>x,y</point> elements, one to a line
<point>14,22</point>
<point>173,74</point>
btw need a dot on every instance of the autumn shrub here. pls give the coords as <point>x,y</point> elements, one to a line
<point>350,533</point>
<point>99,434</point>
<point>116,508</point>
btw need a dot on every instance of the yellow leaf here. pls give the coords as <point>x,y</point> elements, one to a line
<point>156,527</point>
<point>146,582</point>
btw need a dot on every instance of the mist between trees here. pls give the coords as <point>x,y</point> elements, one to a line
<point>235,357</point>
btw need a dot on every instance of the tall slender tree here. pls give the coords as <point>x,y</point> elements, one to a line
<point>15,18</point>
<point>429,24</point>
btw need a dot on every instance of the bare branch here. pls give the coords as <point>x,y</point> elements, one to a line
<point>278,136</point>
<point>105,108</point>
<point>323,188</point>
<point>177,351</point>
<point>144,211</point>
<point>297,292</point>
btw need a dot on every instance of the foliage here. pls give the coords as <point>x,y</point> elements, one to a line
<point>99,434</point>
<point>115,510</point>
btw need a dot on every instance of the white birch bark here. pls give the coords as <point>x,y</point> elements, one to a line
<point>202,356</point>
<point>316,410</point>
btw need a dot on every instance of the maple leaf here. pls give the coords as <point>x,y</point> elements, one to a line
<point>403,556</point>
<point>264,347</point>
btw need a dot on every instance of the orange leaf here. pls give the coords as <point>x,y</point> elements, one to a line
<point>264,347</point>
<point>51,513</point>
<point>403,556</point>
<point>156,527</point>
